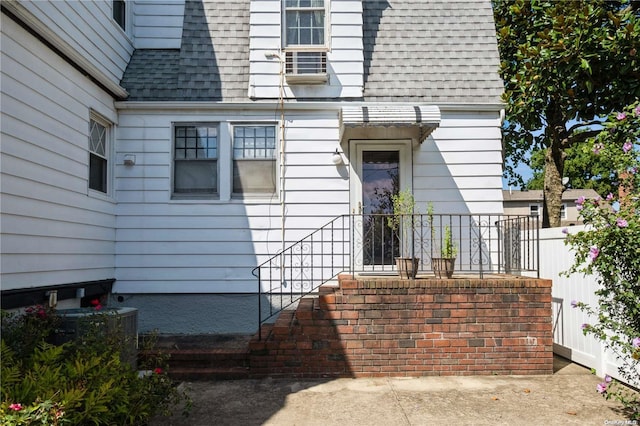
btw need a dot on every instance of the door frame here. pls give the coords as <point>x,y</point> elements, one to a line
<point>356,147</point>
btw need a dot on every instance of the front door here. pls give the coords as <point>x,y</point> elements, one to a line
<point>380,170</point>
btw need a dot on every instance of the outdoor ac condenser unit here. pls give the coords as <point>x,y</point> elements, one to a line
<point>122,323</point>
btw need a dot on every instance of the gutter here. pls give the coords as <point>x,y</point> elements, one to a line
<point>292,106</point>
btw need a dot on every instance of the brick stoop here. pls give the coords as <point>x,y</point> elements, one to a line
<point>386,327</point>
<point>377,327</point>
<point>206,357</point>
<point>302,343</point>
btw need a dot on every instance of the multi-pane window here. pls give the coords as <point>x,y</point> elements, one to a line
<point>98,155</point>
<point>563,211</point>
<point>305,22</point>
<point>120,13</point>
<point>254,150</point>
<point>305,39</point>
<point>195,159</point>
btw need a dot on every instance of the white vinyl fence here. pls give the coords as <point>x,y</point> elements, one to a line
<point>568,339</point>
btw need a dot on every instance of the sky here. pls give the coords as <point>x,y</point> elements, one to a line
<point>524,171</point>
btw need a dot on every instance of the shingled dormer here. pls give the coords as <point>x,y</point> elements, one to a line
<point>312,48</point>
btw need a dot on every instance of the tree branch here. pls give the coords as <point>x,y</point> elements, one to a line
<point>581,137</point>
<point>578,125</point>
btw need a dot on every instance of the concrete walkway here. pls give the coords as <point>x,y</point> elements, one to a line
<point>567,397</point>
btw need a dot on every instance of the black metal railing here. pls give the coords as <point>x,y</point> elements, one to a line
<point>369,244</point>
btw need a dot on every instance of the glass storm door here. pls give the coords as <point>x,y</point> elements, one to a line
<point>381,169</point>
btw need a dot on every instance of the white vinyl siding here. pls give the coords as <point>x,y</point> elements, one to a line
<point>459,167</point>
<point>157,24</point>
<point>89,28</point>
<point>344,58</point>
<point>211,245</point>
<point>54,230</point>
<point>208,246</point>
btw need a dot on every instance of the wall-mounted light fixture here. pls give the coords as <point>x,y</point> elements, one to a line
<point>272,55</point>
<point>129,159</point>
<point>336,158</point>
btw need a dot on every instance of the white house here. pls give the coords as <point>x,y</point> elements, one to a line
<point>154,152</point>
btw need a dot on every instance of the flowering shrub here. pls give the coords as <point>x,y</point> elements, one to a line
<point>82,381</point>
<point>25,331</point>
<point>40,412</point>
<point>610,249</point>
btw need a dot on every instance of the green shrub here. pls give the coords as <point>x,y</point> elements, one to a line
<point>82,382</point>
<point>609,249</point>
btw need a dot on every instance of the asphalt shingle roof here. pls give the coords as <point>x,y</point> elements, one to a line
<point>432,51</point>
<point>423,51</point>
<point>212,63</point>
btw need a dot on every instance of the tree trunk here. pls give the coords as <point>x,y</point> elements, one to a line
<point>553,170</point>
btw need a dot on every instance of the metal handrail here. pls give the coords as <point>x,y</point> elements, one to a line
<point>369,244</point>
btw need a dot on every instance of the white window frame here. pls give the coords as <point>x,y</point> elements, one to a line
<point>563,211</point>
<point>273,159</point>
<point>107,155</point>
<point>128,4</point>
<point>186,195</point>
<point>313,46</point>
<point>535,207</point>
<point>300,65</point>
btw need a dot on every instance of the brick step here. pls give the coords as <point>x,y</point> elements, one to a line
<point>265,334</point>
<point>309,312</point>
<point>208,374</point>
<point>206,358</point>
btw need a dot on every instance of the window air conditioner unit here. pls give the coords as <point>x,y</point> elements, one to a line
<point>122,323</point>
<point>306,67</point>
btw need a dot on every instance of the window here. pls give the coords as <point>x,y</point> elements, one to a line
<point>305,38</point>
<point>534,210</point>
<point>254,149</point>
<point>98,154</point>
<point>120,13</point>
<point>195,159</point>
<point>305,22</point>
<point>563,211</point>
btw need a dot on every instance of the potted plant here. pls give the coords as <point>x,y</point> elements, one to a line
<point>443,266</point>
<point>403,222</point>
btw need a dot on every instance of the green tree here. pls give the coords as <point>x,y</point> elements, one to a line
<point>564,64</point>
<point>583,167</point>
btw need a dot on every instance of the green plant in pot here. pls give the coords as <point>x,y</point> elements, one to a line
<point>403,222</point>
<point>443,266</point>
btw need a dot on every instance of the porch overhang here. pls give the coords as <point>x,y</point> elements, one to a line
<point>388,122</point>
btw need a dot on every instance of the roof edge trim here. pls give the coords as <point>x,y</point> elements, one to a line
<point>38,29</point>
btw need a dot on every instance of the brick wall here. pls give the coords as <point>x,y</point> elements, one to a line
<point>392,327</point>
